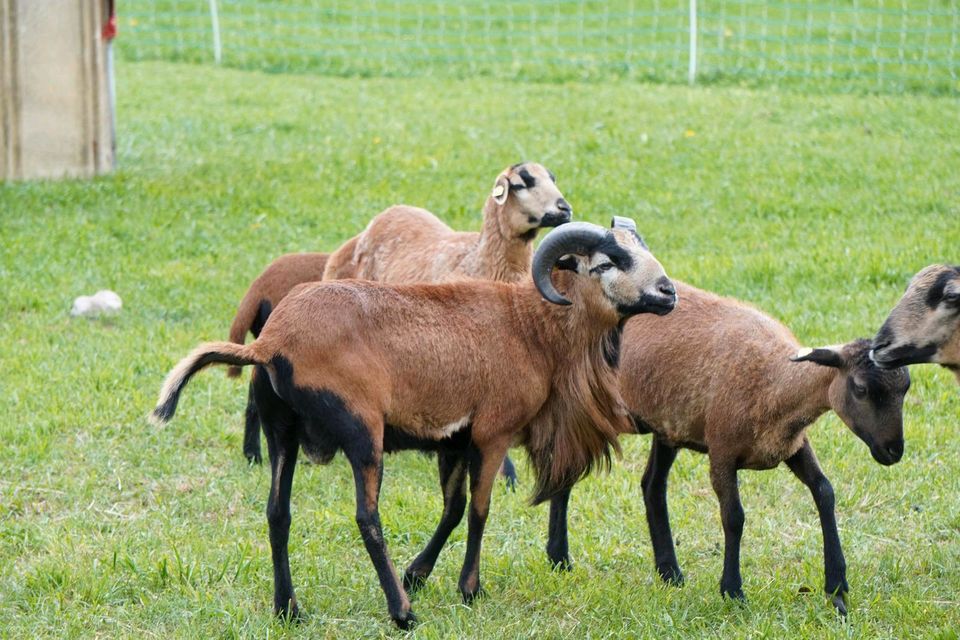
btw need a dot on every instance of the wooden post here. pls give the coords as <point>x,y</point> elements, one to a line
<point>55,112</point>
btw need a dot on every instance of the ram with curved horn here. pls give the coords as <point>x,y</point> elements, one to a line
<point>367,368</point>
<point>406,244</point>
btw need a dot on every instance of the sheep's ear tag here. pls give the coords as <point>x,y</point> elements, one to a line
<point>499,192</point>
<point>619,222</point>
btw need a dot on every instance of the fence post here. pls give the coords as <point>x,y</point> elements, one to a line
<point>692,67</point>
<point>215,25</point>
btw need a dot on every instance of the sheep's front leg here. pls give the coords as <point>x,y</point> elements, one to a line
<point>366,459</point>
<point>658,518</point>
<point>723,477</point>
<point>804,465</point>
<point>453,483</point>
<point>558,548</point>
<point>484,464</point>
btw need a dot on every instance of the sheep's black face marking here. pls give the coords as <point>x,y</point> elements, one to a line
<point>923,322</point>
<point>619,257</point>
<point>935,293</point>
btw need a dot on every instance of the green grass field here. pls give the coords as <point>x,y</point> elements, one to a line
<point>817,209</point>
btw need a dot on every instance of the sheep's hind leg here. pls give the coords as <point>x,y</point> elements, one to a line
<point>366,458</point>
<point>251,430</point>
<point>558,548</point>
<point>279,427</point>
<point>723,476</point>
<point>483,472</point>
<point>509,473</point>
<point>804,465</point>
<point>658,518</point>
<point>453,476</point>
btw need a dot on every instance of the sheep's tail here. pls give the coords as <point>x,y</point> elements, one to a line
<point>250,317</point>
<point>204,355</point>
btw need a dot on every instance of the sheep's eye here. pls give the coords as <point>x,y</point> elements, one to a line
<point>952,298</point>
<point>600,268</point>
<point>859,390</point>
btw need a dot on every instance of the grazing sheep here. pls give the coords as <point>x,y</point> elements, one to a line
<point>369,368</point>
<point>925,324</point>
<point>264,294</point>
<point>716,377</point>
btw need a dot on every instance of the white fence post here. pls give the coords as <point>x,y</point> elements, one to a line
<point>692,67</point>
<point>215,25</point>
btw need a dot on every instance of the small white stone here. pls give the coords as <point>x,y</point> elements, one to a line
<point>100,303</point>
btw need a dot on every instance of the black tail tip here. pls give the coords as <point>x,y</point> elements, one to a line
<point>162,414</point>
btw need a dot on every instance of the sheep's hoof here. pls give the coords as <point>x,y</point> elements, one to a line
<point>253,458</point>
<point>671,574</point>
<point>839,602</point>
<point>470,596</point>
<point>560,562</point>
<point>289,615</point>
<point>734,593</point>
<point>405,621</point>
<point>413,580</point>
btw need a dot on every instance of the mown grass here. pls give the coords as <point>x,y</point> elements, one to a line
<point>817,209</point>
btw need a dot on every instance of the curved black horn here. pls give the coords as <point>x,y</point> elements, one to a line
<point>619,222</point>
<point>573,237</point>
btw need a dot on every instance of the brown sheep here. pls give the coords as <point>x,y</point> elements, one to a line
<point>264,294</point>
<point>369,368</point>
<point>925,324</point>
<point>716,377</point>
<point>409,244</point>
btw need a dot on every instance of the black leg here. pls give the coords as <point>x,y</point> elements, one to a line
<point>366,459</point>
<point>453,476</point>
<point>804,465</point>
<point>558,549</point>
<point>251,430</point>
<point>658,519</point>
<point>509,473</point>
<point>279,427</point>
<point>723,476</point>
<point>483,472</point>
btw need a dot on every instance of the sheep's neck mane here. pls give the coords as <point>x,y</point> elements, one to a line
<point>577,428</point>
<point>498,255</point>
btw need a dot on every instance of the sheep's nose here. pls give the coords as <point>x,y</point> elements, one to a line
<point>895,450</point>
<point>564,206</point>
<point>665,286</point>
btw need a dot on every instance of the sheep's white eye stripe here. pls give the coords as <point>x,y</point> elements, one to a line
<point>600,268</point>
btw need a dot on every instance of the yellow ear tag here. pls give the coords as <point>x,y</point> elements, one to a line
<point>804,352</point>
<point>498,191</point>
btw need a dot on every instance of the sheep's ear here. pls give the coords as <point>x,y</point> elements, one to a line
<point>826,356</point>
<point>501,189</point>
<point>568,263</point>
